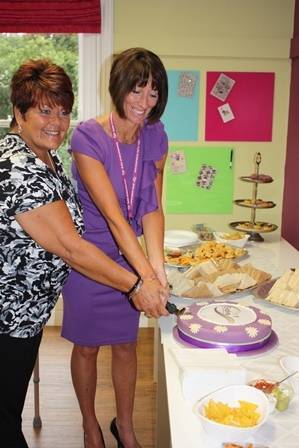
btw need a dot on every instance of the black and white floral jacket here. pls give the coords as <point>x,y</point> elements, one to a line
<point>30,277</point>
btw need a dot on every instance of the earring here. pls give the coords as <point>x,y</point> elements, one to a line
<point>20,129</point>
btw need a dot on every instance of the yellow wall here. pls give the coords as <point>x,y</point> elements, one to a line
<point>221,35</point>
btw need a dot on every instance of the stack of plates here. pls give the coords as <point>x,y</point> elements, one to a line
<point>179,238</point>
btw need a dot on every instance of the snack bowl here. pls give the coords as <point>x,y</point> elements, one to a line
<point>236,239</point>
<point>279,394</point>
<point>204,233</point>
<point>173,251</point>
<point>290,364</point>
<point>232,396</point>
<point>272,402</point>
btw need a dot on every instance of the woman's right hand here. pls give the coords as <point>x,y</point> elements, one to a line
<point>151,298</point>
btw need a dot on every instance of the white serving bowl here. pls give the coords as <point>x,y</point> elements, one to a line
<point>220,238</point>
<point>290,364</point>
<point>231,395</point>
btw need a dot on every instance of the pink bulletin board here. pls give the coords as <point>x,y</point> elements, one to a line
<point>248,107</point>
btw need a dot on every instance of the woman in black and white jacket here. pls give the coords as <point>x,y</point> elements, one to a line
<point>40,228</point>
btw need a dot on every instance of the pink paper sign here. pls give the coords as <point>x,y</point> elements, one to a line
<point>251,102</point>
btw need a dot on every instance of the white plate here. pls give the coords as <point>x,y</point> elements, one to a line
<point>262,291</point>
<point>179,238</point>
<point>290,364</point>
<point>284,307</point>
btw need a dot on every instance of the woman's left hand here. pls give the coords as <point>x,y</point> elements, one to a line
<point>151,298</point>
<point>161,276</point>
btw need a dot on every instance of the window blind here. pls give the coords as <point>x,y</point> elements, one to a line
<point>51,16</point>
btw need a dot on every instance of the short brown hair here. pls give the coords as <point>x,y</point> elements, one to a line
<point>36,81</point>
<point>132,68</point>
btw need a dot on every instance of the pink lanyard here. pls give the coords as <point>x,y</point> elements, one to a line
<point>129,200</point>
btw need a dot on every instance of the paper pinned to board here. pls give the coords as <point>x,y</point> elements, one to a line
<point>226,113</point>
<point>222,87</point>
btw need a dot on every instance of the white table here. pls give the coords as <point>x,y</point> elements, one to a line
<point>177,425</point>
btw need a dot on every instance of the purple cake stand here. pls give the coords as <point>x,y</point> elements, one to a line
<point>256,351</point>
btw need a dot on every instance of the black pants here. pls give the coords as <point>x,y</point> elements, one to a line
<point>17,359</point>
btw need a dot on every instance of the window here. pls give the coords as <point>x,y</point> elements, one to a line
<point>16,48</point>
<point>85,57</point>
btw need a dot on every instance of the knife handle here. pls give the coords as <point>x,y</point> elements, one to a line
<point>171,308</point>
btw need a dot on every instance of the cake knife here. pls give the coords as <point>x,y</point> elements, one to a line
<point>173,309</point>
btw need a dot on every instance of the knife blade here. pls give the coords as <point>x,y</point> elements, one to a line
<point>173,309</point>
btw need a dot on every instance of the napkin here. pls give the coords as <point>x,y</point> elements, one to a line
<point>205,370</point>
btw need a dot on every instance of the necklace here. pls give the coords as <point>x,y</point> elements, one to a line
<point>52,165</point>
<point>129,198</point>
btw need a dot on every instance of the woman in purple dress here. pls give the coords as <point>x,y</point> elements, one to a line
<point>118,167</point>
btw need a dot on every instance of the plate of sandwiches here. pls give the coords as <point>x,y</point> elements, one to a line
<point>213,279</point>
<point>282,292</point>
<point>208,250</point>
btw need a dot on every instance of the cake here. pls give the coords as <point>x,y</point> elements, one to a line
<point>224,324</point>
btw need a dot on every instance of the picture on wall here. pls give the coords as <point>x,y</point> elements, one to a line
<point>181,114</point>
<point>239,106</point>
<point>199,180</point>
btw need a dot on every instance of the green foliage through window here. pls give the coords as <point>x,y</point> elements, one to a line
<point>17,48</point>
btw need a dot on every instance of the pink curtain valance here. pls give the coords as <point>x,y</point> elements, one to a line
<point>51,16</point>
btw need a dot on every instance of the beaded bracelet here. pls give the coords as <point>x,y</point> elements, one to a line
<point>135,288</point>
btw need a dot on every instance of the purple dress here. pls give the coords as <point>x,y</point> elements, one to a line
<point>95,314</point>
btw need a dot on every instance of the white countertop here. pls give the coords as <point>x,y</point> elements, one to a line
<point>282,429</point>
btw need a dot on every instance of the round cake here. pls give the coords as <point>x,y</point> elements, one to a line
<point>224,324</point>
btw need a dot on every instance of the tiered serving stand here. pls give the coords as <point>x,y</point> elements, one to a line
<point>253,227</point>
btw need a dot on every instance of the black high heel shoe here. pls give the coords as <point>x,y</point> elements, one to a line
<point>114,431</point>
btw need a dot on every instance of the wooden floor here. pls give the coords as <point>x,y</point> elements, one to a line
<point>61,420</point>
